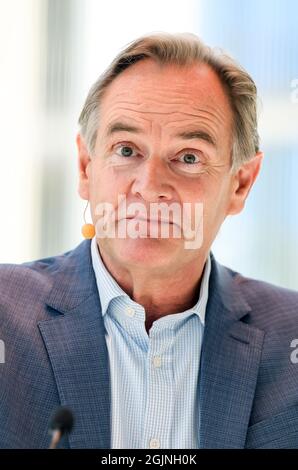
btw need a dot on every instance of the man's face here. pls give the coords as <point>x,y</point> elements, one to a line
<point>156,164</point>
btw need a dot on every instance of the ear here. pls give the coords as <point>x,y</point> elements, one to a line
<point>83,163</point>
<point>242,183</point>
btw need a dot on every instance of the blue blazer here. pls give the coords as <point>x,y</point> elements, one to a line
<point>55,353</point>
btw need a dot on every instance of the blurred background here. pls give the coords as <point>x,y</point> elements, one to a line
<point>51,51</point>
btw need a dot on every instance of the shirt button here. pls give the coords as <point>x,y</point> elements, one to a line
<point>157,361</point>
<point>154,444</point>
<point>129,312</point>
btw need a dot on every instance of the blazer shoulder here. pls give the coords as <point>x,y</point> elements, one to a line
<point>270,304</point>
<point>270,292</point>
<point>28,272</point>
<point>27,283</point>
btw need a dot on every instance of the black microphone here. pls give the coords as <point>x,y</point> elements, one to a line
<point>61,422</point>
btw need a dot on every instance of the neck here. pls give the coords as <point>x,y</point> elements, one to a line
<point>159,293</point>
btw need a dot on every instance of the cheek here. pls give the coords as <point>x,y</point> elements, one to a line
<point>215,206</point>
<point>107,184</point>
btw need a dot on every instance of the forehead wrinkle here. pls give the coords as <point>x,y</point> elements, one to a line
<point>130,94</point>
<point>169,90</point>
<point>216,112</point>
<point>172,102</point>
<point>185,125</point>
<point>191,85</point>
<point>206,121</point>
<point>139,111</point>
<point>211,114</point>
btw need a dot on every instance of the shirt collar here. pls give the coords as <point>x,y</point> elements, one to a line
<point>108,288</point>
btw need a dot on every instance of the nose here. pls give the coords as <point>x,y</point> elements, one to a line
<point>152,181</point>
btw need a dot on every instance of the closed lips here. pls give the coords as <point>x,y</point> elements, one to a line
<point>151,220</point>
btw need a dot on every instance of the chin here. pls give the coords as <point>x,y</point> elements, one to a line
<point>152,251</point>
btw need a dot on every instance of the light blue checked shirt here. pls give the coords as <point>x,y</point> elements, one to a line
<point>154,378</point>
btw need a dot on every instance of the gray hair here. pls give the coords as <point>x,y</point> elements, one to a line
<point>184,49</point>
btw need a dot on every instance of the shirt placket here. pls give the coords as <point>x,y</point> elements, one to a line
<point>160,390</point>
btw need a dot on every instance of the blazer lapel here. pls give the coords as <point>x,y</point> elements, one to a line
<point>230,359</point>
<point>74,336</point>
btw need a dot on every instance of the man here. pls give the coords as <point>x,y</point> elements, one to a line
<point>149,340</point>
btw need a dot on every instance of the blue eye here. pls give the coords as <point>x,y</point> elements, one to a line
<point>126,150</point>
<point>190,158</point>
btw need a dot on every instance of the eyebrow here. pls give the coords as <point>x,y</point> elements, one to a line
<point>186,135</point>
